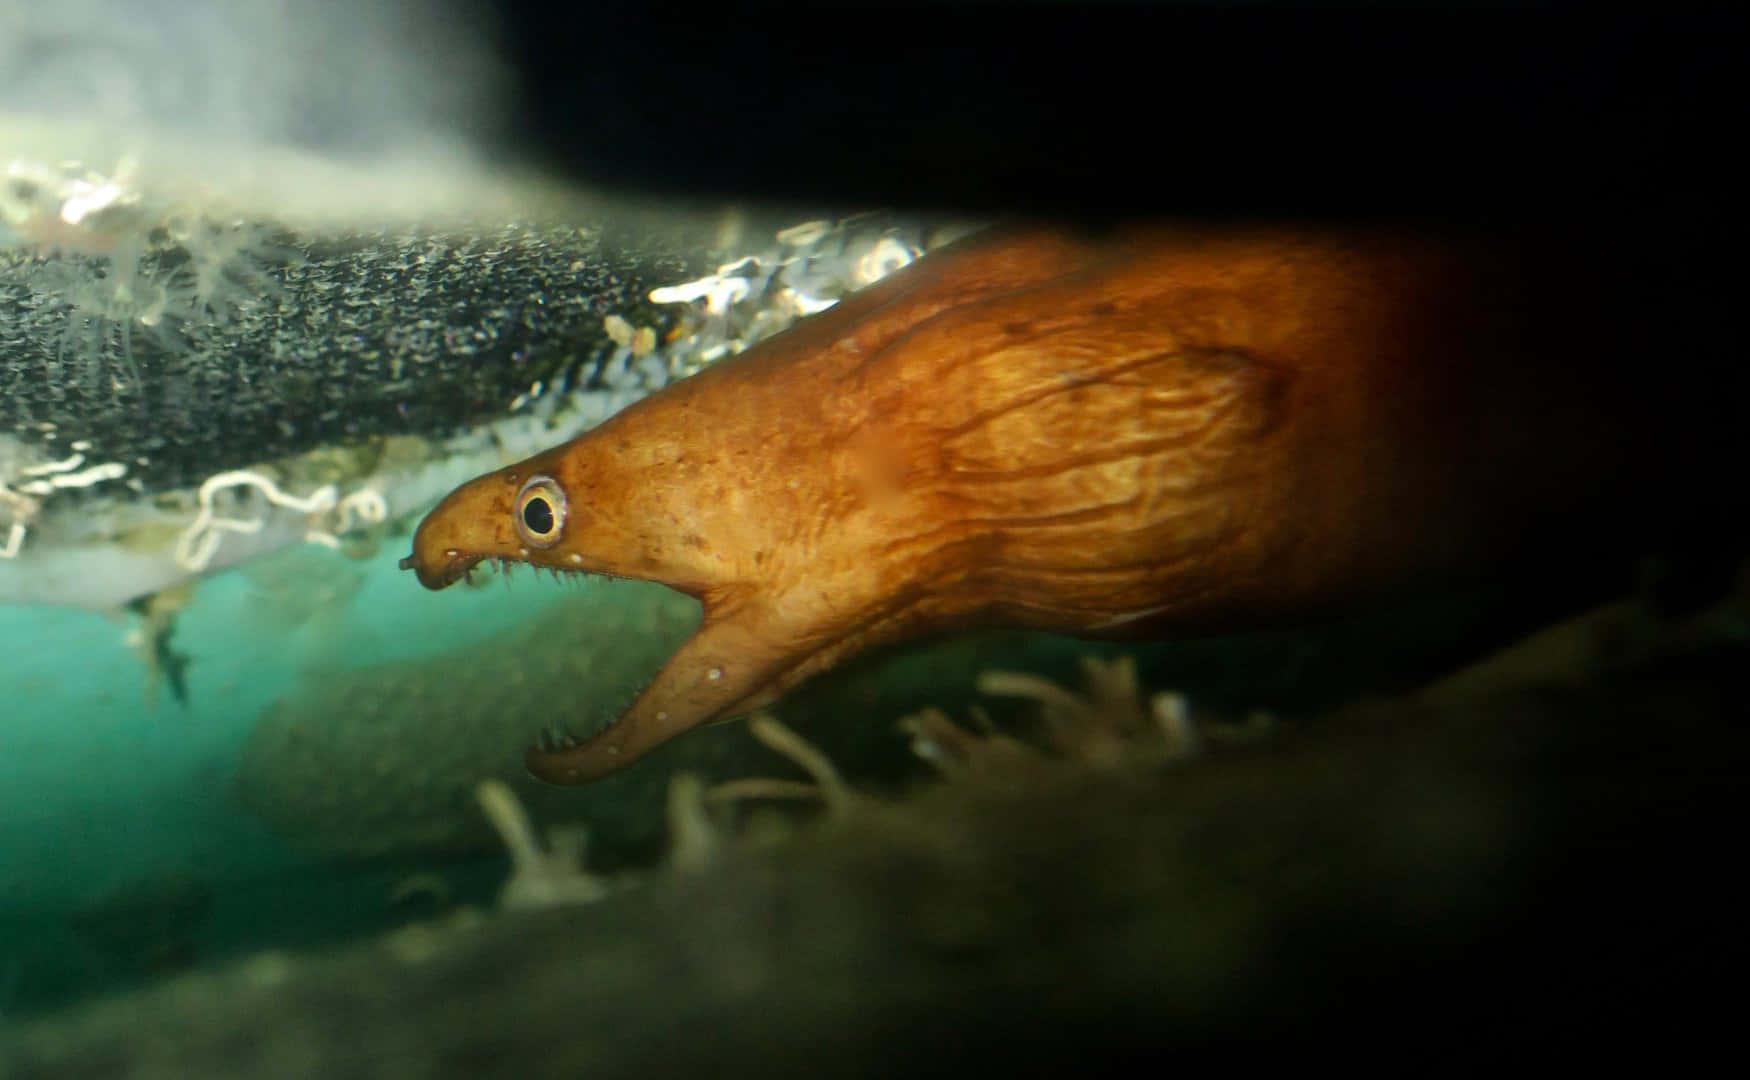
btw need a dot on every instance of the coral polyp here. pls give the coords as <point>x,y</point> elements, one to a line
<point>118,267</point>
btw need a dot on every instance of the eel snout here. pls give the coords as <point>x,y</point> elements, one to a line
<point>440,573</point>
<point>465,529</point>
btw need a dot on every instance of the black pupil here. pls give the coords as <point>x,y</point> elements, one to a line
<point>538,516</point>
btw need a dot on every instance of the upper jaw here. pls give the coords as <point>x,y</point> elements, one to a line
<point>440,574</point>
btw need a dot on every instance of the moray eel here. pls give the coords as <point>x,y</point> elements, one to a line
<point>1131,432</point>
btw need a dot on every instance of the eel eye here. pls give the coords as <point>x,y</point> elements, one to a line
<point>540,512</point>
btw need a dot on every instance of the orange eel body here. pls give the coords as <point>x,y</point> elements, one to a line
<point>1149,430</point>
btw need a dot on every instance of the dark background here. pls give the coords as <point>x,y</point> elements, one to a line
<point>1238,109</point>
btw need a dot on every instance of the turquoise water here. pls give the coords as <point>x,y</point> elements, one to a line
<point>102,786</point>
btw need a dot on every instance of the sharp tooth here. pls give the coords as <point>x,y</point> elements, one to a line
<point>554,737</point>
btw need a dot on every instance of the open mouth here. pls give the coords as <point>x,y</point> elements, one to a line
<point>558,734</point>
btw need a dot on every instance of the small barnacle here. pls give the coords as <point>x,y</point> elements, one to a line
<point>884,258</point>
<point>1095,726</point>
<point>827,785</point>
<point>694,840</point>
<point>619,331</point>
<point>1104,726</point>
<point>539,878</point>
<point>958,753</point>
